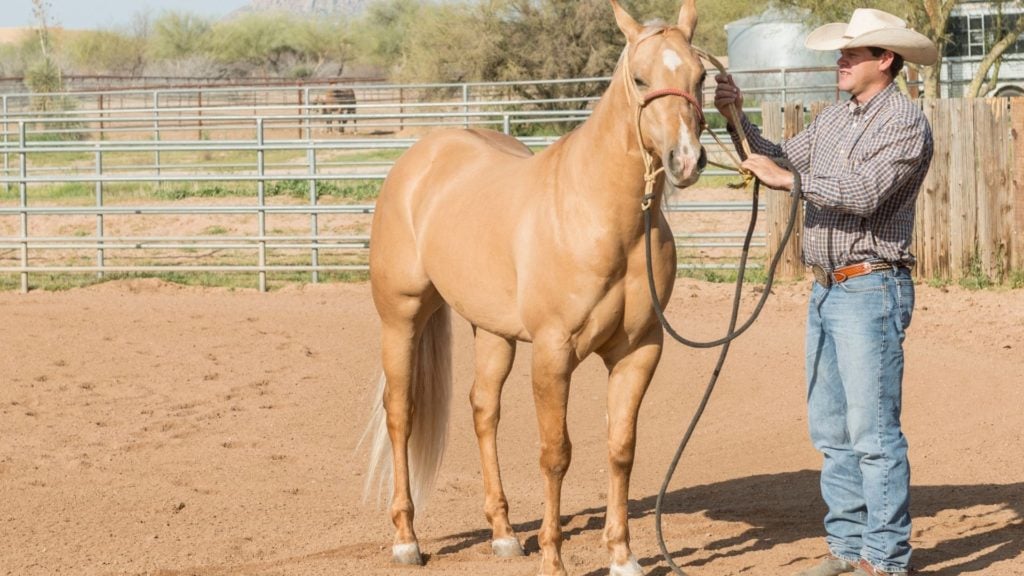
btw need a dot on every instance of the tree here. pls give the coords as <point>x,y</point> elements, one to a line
<point>1004,34</point>
<point>254,42</point>
<point>383,29</point>
<point>106,52</point>
<point>44,75</point>
<point>179,35</point>
<point>322,44</point>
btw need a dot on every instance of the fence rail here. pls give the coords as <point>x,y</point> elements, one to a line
<point>90,190</point>
<point>87,191</point>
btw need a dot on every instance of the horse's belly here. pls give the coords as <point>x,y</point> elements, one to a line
<point>481,294</point>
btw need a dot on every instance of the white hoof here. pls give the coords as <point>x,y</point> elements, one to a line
<point>630,568</point>
<point>507,547</point>
<point>407,554</point>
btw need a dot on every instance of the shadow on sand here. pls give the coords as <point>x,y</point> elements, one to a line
<point>785,508</point>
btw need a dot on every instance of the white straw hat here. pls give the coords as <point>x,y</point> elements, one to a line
<point>870,27</point>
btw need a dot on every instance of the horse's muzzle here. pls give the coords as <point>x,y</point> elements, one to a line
<point>683,170</point>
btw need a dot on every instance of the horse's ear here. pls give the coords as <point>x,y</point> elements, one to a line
<point>688,19</point>
<point>630,27</point>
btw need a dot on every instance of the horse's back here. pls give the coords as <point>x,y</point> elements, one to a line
<point>463,163</point>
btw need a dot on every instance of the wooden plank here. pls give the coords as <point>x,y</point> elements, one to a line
<point>1017,188</point>
<point>986,150</point>
<point>962,192</point>
<point>995,211</point>
<point>931,229</point>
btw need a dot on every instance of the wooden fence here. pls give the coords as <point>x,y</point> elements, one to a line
<point>970,212</point>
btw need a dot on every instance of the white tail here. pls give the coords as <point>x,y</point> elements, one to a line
<point>431,397</point>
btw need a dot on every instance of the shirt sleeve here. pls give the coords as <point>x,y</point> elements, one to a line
<point>797,149</point>
<point>758,143</point>
<point>890,154</point>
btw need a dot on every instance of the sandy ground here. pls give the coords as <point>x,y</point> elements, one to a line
<point>147,428</point>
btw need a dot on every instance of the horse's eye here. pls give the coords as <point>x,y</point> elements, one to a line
<point>640,83</point>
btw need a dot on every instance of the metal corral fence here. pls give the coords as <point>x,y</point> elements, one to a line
<point>260,180</point>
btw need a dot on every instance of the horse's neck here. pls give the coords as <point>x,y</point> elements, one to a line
<point>602,157</point>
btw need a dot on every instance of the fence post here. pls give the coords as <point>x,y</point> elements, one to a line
<point>304,101</point>
<point>261,201</point>
<point>782,123</point>
<point>465,105</point>
<point>314,227</point>
<point>99,213</point>
<point>7,159</point>
<point>103,125</point>
<point>23,203</point>
<point>156,131</point>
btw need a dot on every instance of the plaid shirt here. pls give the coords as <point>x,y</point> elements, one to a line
<point>861,167</point>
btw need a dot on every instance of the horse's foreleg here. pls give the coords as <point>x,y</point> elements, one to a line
<point>629,377</point>
<point>552,366</point>
<point>494,356</point>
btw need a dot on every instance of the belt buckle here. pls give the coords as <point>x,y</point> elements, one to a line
<point>822,276</point>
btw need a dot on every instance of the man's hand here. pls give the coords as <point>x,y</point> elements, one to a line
<point>768,172</point>
<point>728,95</point>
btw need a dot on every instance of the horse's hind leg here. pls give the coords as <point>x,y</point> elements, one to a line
<point>494,356</point>
<point>402,323</point>
<point>630,375</point>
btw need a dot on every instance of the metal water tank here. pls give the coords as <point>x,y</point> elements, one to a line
<point>768,60</point>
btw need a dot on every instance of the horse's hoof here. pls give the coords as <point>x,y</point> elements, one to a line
<point>407,554</point>
<point>507,547</point>
<point>630,568</point>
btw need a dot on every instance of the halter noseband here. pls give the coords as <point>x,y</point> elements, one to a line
<point>654,95</point>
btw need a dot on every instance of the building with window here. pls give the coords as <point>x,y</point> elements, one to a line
<point>973,28</point>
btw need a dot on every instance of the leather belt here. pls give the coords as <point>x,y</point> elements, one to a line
<point>842,274</point>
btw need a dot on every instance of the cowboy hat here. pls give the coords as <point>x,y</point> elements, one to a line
<point>870,27</point>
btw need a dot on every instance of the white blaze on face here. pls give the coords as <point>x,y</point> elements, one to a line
<point>671,59</point>
<point>684,168</point>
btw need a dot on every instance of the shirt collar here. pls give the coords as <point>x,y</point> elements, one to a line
<point>882,95</point>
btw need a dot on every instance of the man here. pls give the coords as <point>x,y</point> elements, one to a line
<point>861,164</point>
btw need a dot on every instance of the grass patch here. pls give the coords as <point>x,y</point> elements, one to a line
<point>1016,279</point>
<point>350,190</point>
<point>724,275</point>
<point>976,278</point>
<point>59,282</point>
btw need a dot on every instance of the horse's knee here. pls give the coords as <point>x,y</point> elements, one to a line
<point>556,457</point>
<point>621,452</point>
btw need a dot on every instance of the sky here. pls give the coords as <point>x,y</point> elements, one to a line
<point>107,13</point>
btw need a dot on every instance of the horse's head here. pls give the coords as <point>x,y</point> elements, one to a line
<point>663,76</point>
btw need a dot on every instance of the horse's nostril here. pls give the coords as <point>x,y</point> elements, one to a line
<point>702,161</point>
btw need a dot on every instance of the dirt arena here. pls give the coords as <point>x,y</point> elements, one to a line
<point>147,428</point>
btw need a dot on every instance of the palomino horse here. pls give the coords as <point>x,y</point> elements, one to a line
<point>545,249</point>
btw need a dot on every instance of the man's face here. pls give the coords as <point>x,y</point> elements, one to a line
<point>860,71</point>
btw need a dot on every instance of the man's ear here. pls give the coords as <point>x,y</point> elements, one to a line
<point>885,60</point>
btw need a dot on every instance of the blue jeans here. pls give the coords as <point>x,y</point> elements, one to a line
<point>855,333</point>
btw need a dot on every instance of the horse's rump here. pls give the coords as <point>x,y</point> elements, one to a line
<point>451,211</point>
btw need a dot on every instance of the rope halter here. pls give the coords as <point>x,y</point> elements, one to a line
<point>642,101</point>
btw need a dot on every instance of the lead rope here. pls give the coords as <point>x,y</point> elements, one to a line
<point>732,333</point>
